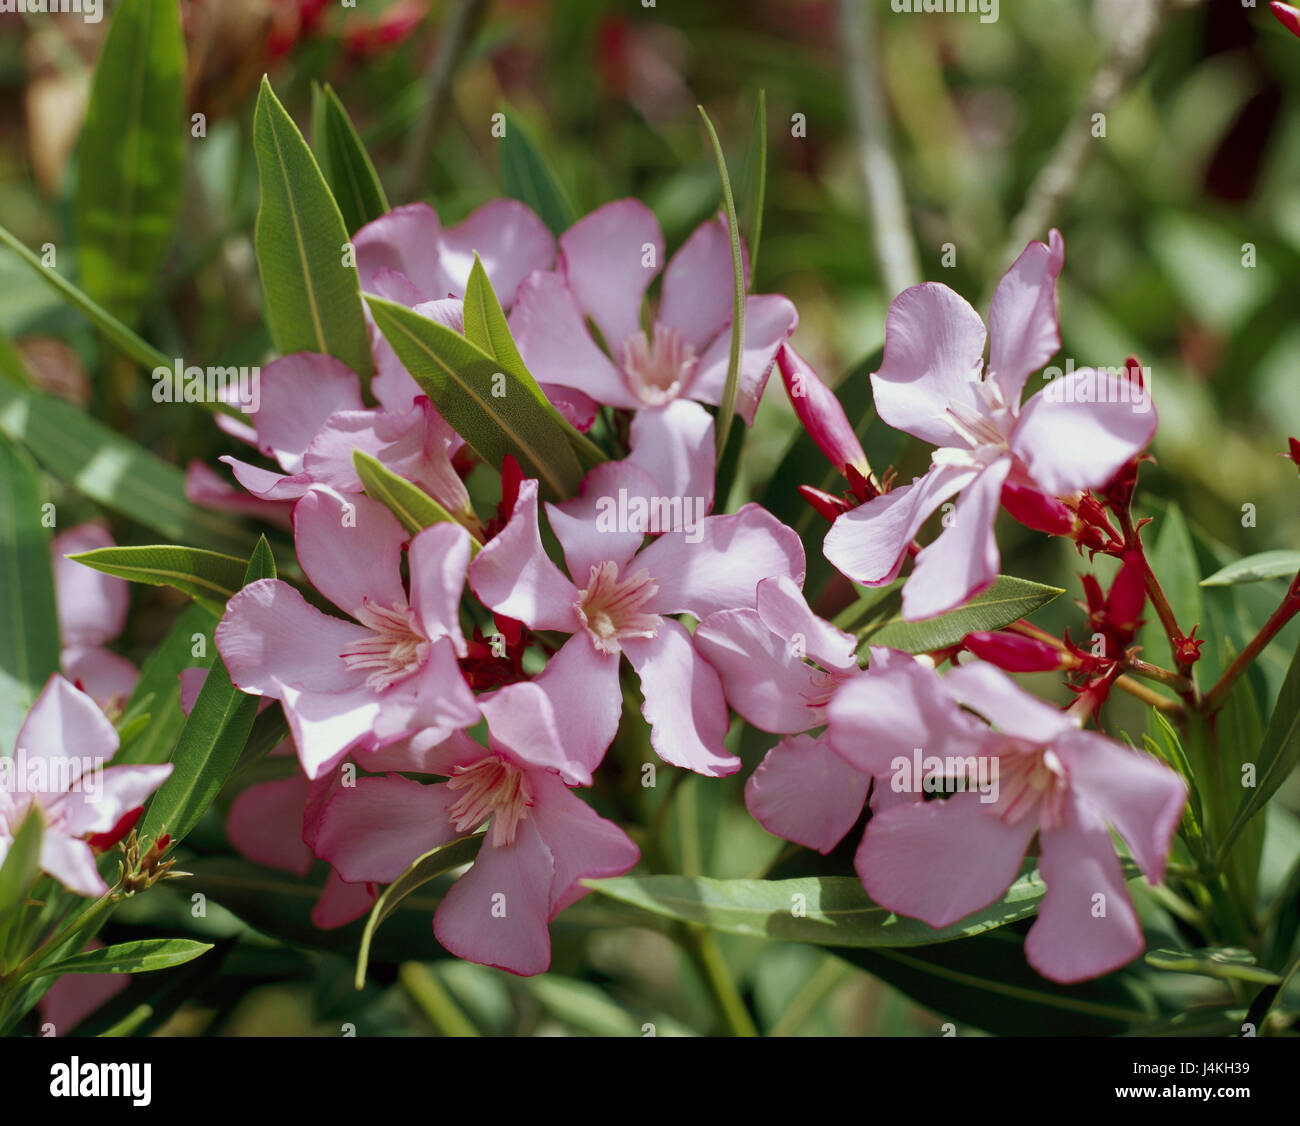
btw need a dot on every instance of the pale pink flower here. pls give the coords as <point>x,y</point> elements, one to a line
<point>607,261</point>
<point>1073,435</point>
<point>58,767</point>
<point>392,669</point>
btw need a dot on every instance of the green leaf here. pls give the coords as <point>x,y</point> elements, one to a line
<point>1228,964</point>
<point>208,577</point>
<point>21,863</point>
<point>580,1004</point>
<point>313,301</point>
<point>344,161</point>
<point>141,956</point>
<point>1278,754</point>
<point>427,867</point>
<point>824,910</point>
<point>157,692</point>
<point>754,178</point>
<point>210,742</point>
<point>132,156</point>
<point>526,175</point>
<point>1173,559</point>
<point>460,378</point>
<point>113,471</point>
<point>29,624</point>
<point>727,404</point>
<point>1253,568</point>
<point>12,365</point>
<point>1006,601</point>
<point>415,508</point>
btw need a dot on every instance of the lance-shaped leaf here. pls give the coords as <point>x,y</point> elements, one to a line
<point>140,956</point>
<point>344,161</point>
<point>29,625</point>
<point>412,506</point>
<point>526,175</point>
<point>313,296</point>
<point>211,740</point>
<point>427,867</point>
<point>208,577</point>
<point>1254,568</point>
<point>114,471</point>
<point>132,155</point>
<point>21,863</point>
<point>495,411</point>
<point>824,910</point>
<point>1229,964</point>
<point>1006,601</point>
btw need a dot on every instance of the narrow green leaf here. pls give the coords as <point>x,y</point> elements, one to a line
<point>495,411</point>
<point>832,910</point>
<point>21,863</point>
<point>1253,568</point>
<point>141,956</point>
<point>132,156</point>
<point>415,508</point>
<point>346,164</point>
<point>112,470</point>
<point>526,175</point>
<point>29,625</point>
<point>1173,558</point>
<point>313,300</point>
<point>208,577</point>
<point>1006,601</point>
<point>754,178</point>
<point>727,405</point>
<point>1228,964</point>
<point>427,867</point>
<point>211,740</point>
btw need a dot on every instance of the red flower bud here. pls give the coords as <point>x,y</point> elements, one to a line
<point>827,505</point>
<point>1128,594</point>
<point>102,842</point>
<point>1015,653</point>
<point>820,412</point>
<point>1288,16</point>
<point>1038,511</point>
<point>1293,452</point>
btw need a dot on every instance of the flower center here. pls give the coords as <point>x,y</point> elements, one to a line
<point>1029,781</point>
<point>611,607</point>
<point>491,788</point>
<point>657,370</point>
<point>394,649</point>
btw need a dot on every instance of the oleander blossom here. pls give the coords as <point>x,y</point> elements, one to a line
<point>540,841</point>
<point>607,261</point>
<point>941,860</point>
<point>64,741</point>
<point>389,671</point>
<point>620,594</point>
<point>1073,435</point>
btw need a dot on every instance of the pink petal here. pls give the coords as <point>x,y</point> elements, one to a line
<point>785,611</point>
<point>350,549</point>
<point>964,560</point>
<point>340,903</point>
<point>439,558</point>
<point>553,340</point>
<point>820,413</point>
<point>299,393</point>
<point>590,527</point>
<point>268,486</point>
<point>74,997</point>
<point>91,605</point>
<point>65,721</point>
<point>684,704</point>
<point>1068,445</point>
<point>576,408</point>
<point>513,575</point>
<point>1024,328</point>
<point>869,543</point>
<point>1141,798</point>
<point>120,790</point>
<point>938,861</point>
<point>578,680</point>
<point>675,446</point>
<point>435,701</point>
<point>72,863</point>
<point>100,672</point>
<point>406,241</point>
<point>602,259</point>
<point>325,726</point>
<point>770,319</point>
<point>934,349</point>
<point>699,283</point>
<point>999,699</point>
<point>511,242</point>
<point>721,570</point>
<point>373,831</point>
<point>1069,942</point>
<point>523,720</point>
<point>497,913</point>
<point>265,824</point>
<point>208,489</point>
<point>392,384</point>
<point>804,792</point>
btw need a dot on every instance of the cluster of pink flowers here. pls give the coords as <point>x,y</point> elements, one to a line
<point>474,626</point>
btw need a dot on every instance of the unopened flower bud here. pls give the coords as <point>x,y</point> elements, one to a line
<point>825,504</point>
<point>820,413</point>
<point>1288,15</point>
<point>1038,511</point>
<point>1016,653</point>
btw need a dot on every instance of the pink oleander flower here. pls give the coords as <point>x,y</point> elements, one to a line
<point>779,663</point>
<point>366,682</point>
<point>607,261</point>
<point>541,840</point>
<point>941,860</point>
<point>92,611</point>
<point>1073,435</point>
<point>58,767</point>
<point>1288,16</point>
<point>311,418</point>
<point>622,594</point>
